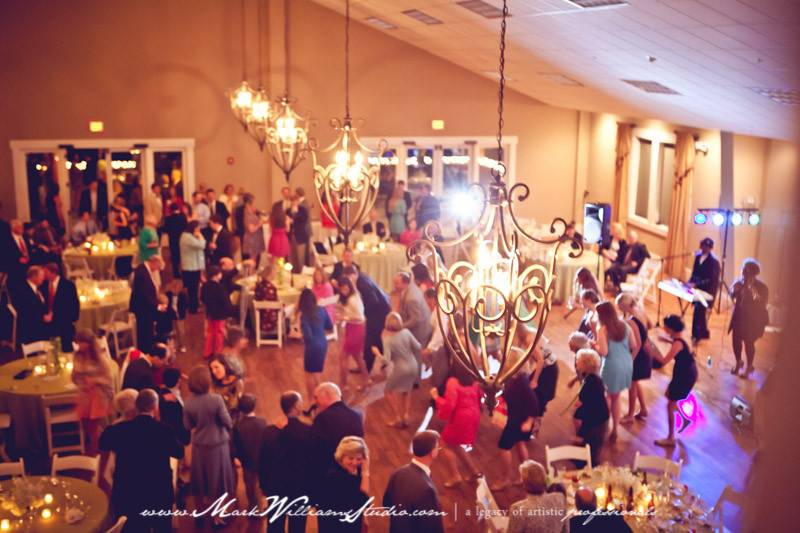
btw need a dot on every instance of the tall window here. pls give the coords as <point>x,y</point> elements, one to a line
<point>651,178</point>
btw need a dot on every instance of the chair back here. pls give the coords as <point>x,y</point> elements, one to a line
<point>76,267</point>
<point>566,453</point>
<point>13,469</point>
<point>117,528</point>
<point>13,313</point>
<point>730,496</point>
<point>35,348</point>
<point>258,306</point>
<point>658,464</point>
<point>495,521</point>
<point>76,462</point>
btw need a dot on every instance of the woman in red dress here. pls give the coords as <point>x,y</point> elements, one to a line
<point>279,240</point>
<point>460,407</point>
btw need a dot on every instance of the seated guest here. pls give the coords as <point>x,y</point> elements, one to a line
<point>615,248</point>
<point>206,416</point>
<point>45,238</point>
<point>631,263</point>
<point>63,306</point>
<point>31,307</point>
<point>218,310</point>
<point>247,437</point>
<point>570,235</point>
<point>334,421</point>
<point>411,489</point>
<point>141,371</point>
<point>410,234</point>
<point>345,487</point>
<point>585,522</point>
<point>422,277</point>
<point>226,380</point>
<point>142,473</point>
<point>85,227</point>
<point>540,511</point>
<point>373,225</point>
<point>266,291</point>
<point>170,404</point>
<point>591,410</point>
<point>338,268</point>
<point>221,242</point>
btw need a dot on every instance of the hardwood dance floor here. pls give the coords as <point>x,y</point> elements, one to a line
<point>714,452</point>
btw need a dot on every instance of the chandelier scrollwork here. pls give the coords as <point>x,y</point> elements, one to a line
<point>485,300</point>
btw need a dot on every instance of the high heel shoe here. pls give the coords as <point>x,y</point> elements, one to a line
<point>735,370</point>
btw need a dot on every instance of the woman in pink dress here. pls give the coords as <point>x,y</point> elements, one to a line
<point>460,407</point>
<point>92,375</point>
<point>279,241</point>
<point>322,289</point>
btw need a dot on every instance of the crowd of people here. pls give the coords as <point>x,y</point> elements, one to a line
<point>390,340</point>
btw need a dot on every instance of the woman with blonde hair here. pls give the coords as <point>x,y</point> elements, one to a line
<point>591,409</point>
<point>642,362</point>
<point>403,353</point>
<point>526,515</point>
<point>345,488</point>
<point>92,374</point>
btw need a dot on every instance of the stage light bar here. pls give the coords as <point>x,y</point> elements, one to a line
<point>718,219</point>
<point>754,219</point>
<point>721,216</point>
<point>700,218</point>
<point>736,219</point>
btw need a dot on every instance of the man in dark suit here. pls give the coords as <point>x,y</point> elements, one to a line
<point>170,404</point>
<point>63,306</point>
<point>339,266</point>
<point>216,207</point>
<point>31,307</point>
<point>585,522</point>
<point>334,421</point>
<point>139,374</point>
<point>705,276</point>
<point>248,435</point>
<point>300,234</point>
<point>271,472</point>
<point>634,257</point>
<point>19,249</point>
<point>411,489</point>
<point>376,307</point>
<point>142,473</point>
<point>94,199</point>
<point>373,225</point>
<point>144,299</point>
<point>220,243</point>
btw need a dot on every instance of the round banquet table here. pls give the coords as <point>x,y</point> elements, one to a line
<point>287,294</point>
<point>22,399</point>
<point>566,269</point>
<point>382,265</point>
<point>102,261</point>
<point>67,492</point>
<point>677,508</point>
<point>95,313</point>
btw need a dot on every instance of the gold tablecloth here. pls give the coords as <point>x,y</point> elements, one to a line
<point>287,294</point>
<point>568,266</point>
<point>101,261</point>
<point>66,492</point>
<point>382,265</point>
<point>96,313</point>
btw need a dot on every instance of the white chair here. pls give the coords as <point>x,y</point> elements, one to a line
<point>258,306</point>
<point>62,424</point>
<point>76,267</point>
<point>35,348</point>
<point>728,495</point>
<point>308,271</point>
<point>566,453</point>
<point>76,462</point>
<point>496,522</point>
<point>117,528</point>
<point>642,285</point>
<point>325,302</point>
<point>658,464</point>
<point>12,469</point>
<point>121,323</point>
<point>13,313</point>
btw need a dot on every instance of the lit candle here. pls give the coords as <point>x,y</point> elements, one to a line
<point>601,494</point>
<point>48,498</point>
<point>47,514</point>
<point>68,366</point>
<point>5,524</point>
<point>382,246</point>
<point>360,246</point>
<point>610,506</point>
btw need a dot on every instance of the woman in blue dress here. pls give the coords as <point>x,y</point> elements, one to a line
<point>402,351</point>
<point>616,344</point>
<point>397,213</point>
<point>314,322</point>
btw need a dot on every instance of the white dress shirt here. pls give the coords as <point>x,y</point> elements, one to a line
<point>425,468</point>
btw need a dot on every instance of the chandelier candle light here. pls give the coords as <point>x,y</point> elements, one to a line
<point>347,188</point>
<point>258,119</point>
<point>287,133</point>
<point>241,98</point>
<point>484,301</point>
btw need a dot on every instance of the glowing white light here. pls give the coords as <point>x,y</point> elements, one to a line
<point>455,160</point>
<point>127,164</point>
<point>718,219</point>
<point>737,219</point>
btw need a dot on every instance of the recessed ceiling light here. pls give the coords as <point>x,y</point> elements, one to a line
<point>780,96</point>
<point>650,86</point>
<point>598,4</point>
<point>380,23</point>
<point>560,79</point>
<point>418,15</point>
<point>484,9</point>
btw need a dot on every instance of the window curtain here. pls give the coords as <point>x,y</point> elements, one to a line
<point>679,211</point>
<point>624,142</point>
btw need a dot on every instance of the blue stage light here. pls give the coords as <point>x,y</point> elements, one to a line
<point>754,219</point>
<point>718,219</point>
<point>700,218</point>
<point>737,219</point>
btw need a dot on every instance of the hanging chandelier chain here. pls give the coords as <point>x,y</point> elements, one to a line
<point>244,46</point>
<point>501,90</point>
<point>260,75</point>
<point>347,60</point>
<point>286,46</point>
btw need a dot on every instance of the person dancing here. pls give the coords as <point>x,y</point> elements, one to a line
<point>642,362</point>
<point>750,317</point>
<point>350,310</point>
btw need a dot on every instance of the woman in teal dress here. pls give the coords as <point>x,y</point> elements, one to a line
<point>397,213</point>
<point>616,343</point>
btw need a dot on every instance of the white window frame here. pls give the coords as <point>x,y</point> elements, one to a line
<point>472,143</point>
<point>656,138</point>
<point>21,148</point>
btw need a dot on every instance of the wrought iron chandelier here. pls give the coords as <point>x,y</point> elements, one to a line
<point>483,301</point>
<point>258,119</point>
<point>287,133</point>
<point>348,186</point>
<point>241,97</point>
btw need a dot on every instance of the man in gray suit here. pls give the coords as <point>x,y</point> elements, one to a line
<point>412,308</point>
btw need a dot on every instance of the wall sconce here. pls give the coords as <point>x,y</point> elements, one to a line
<point>702,147</point>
